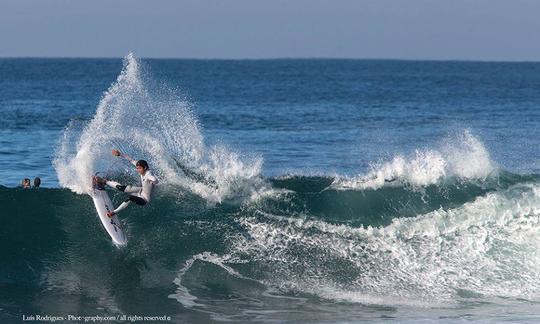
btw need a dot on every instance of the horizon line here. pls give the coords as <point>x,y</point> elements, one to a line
<point>276,59</point>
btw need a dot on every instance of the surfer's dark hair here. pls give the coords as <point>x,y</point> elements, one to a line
<point>143,164</point>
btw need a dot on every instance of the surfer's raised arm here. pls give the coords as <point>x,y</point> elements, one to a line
<point>125,156</point>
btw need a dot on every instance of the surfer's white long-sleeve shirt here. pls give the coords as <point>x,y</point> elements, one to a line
<point>148,181</point>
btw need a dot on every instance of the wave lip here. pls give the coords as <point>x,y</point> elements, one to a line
<point>462,158</point>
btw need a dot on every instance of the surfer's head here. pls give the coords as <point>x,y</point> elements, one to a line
<point>25,183</point>
<point>142,166</point>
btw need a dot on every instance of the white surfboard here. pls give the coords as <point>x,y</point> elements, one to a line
<point>112,225</point>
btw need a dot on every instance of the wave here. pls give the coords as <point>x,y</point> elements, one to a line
<point>478,242</point>
<point>484,248</point>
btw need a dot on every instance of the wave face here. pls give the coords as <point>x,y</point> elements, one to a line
<point>354,253</point>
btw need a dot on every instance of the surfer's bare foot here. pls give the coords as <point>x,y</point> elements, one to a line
<point>99,180</point>
<point>111,214</point>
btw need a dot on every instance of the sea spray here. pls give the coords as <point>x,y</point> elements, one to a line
<point>149,120</point>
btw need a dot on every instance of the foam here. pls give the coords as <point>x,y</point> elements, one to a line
<point>182,293</point>
<point>489,247</point>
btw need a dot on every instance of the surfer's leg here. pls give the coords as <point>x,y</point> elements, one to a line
<point>119,208</point>
<point>138,200</point>
<point>114,184</point>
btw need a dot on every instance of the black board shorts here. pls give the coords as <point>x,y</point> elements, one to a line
<point>138,200</point>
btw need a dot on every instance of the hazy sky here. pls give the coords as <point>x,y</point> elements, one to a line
<point>408,29</point>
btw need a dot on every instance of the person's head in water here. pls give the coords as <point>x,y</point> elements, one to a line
<point>37,182</point>
<point>25,183</point>
<point>142,166</point>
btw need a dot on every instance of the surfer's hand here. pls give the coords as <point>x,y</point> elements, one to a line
<point>116,153</point>
<point>111,214</point>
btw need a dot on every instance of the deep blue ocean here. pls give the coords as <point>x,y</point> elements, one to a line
<point>291,190</point>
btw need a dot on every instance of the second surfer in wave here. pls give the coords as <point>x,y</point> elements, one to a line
<point>139,195</point>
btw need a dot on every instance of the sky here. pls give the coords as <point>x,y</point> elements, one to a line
<point>488,30</point>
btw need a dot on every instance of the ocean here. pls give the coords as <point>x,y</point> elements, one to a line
<point>291,190</point>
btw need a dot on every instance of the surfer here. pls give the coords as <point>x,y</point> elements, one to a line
<point>139,195</point>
